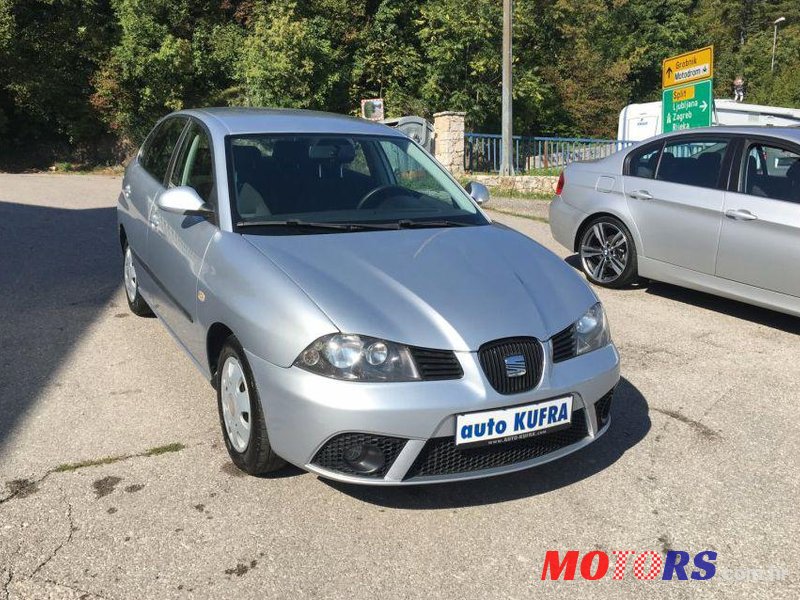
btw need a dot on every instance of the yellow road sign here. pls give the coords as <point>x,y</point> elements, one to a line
<point>690,66</point>
<point>686,93</point>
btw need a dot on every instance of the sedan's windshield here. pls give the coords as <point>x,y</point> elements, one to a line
<point>288,180</point>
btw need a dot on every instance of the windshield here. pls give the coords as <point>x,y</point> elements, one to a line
<point>283,179</point>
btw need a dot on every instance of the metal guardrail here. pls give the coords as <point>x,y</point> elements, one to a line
<point>483,152</point>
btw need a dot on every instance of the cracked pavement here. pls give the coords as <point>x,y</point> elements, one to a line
<point>114,482</point>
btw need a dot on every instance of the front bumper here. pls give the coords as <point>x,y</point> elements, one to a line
<point>305,411</point>
<point>564,222</point>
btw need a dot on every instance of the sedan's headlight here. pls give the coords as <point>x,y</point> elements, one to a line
<point>358,358</point>
<point>592,331</point>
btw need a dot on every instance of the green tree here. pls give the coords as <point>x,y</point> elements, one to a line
<point>171,54</point>
<point>48,52</point>
<point>287,60</point>
<point>388,60</point>
<point>462,43</point>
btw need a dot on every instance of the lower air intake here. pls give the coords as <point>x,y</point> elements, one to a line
<point>441,456</point>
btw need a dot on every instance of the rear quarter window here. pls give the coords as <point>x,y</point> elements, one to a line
<point>642,162</point>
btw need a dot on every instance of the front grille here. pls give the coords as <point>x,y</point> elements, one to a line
<point>564,346</point>
<point>331,455</point>
<point>436,364</point>
<point>494,354</point>
<point>441,456</point>
<point>603,408</point>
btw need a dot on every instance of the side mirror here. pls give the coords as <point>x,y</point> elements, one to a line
<point>183,200</point>
<point>478,191</point>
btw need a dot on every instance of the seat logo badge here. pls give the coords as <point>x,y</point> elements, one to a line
<point>515,365</point>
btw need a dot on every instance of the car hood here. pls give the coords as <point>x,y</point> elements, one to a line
<point>452,288</point>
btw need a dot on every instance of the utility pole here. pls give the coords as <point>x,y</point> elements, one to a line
<point>775,40</point>
<point>507,160</point>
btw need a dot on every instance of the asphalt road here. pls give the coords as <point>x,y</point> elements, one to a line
<point>702,453</point>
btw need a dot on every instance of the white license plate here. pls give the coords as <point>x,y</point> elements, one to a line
<point>518,422</point>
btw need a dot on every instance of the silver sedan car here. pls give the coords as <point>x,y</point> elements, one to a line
<point>358,314</point>
<point>716,210</point>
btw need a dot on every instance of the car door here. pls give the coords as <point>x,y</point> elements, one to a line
<point>760,240</point>
<point>177,243</point>
<point>144,182</point>
<point>675,193</point>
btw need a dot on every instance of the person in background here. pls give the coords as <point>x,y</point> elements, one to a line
<point>738,89</point>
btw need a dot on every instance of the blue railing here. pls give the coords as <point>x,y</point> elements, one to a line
<point>483,152</point>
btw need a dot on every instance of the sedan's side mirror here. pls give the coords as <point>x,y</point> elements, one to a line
<point>183,200</point>
<point>478,191</point>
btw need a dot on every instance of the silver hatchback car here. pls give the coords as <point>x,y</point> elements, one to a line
<point>717,210</point>
<point>358,314</point>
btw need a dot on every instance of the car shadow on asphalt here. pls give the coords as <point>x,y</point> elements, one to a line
<point>630,422</point>
<point>733,308</point>
<point>59,268</point>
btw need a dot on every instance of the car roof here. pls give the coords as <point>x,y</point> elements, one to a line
<point>240,121</point>
<point>787,133</point>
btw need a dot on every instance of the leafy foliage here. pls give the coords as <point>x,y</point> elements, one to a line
<point>79,76</point>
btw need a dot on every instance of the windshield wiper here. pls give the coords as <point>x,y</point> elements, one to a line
<point>408,224</point>
<point>347,226</point>
<point>316,225</point>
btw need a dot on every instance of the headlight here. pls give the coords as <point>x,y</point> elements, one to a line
<point>592,331</point>
<point>358,358</point>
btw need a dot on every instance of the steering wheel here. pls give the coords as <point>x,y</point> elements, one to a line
<point>373,197</point>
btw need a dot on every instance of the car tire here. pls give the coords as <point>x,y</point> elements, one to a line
<point>131,284</point>
<point>241,417</point>
<point>607,253</point>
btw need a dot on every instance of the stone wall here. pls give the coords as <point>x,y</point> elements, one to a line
<point>448,131</point>
<point>528,184</point>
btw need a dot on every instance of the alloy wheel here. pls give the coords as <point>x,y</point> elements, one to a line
<point>604,252</point>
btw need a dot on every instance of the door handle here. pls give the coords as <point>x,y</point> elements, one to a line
<point>641,195</point>
<point>126,192</point>
<point>740,214</point>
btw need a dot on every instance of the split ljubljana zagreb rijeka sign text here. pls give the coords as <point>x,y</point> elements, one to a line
<point>688,106</point>
<point>688,96</point>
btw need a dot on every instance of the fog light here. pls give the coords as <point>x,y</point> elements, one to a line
<point>364,458</point>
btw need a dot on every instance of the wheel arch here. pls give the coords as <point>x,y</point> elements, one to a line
<point>123,237</point>
<point>215,340</point>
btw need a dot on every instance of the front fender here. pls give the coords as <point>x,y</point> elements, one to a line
<point>268,313</point>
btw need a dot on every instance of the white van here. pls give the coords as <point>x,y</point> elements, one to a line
<point>642,121</point>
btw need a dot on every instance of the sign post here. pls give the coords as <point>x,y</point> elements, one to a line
<point>687,100</point>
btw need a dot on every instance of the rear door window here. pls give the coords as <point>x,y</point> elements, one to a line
<point>771,172</point>
<point>692,162</point>
<point>159,147</point>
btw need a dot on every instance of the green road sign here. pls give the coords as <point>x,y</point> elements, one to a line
<point>687,106</point>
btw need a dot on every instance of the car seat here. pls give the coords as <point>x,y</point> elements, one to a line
<point>793,176</point>
<point>249,180</point>
<point>706,171</point>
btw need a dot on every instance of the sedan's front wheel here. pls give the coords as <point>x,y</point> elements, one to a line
<point>607,253</point>
<point>243,425</point>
